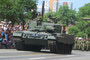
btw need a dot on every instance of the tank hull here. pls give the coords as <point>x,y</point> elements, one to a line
<point>56,45</point>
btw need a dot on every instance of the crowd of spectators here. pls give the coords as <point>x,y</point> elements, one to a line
<point>6,32</point>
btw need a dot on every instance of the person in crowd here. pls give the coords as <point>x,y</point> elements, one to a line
<point>3,33</point>
<point>6,35</point>
<point>1,39</point>
<point>5,28</point>
<point>19,27</point>
<point>4,45</point>
<point>5,40</point>
<point>11,44</point>
<point>2,27</point>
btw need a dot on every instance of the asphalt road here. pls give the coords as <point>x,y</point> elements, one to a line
<point>13,54</point>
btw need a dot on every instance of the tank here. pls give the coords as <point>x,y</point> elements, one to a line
<point>42,35</point>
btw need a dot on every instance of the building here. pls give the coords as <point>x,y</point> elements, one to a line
<point>54,5</point>
<point>69,4</point>
<point>46,7</point>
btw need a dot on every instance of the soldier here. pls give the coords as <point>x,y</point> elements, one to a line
<point>1,38</point>
<point>83,43</point>
<point>87,45</point>
<point>49,19</point>
<point>39,19</point>
<point>75,45</point>
<point>39,16</point>
<point>79,44</point>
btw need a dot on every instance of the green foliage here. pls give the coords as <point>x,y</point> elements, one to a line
<point>82,25</point>
<point>84,11</point>
<point>28,15</point>
<point>81,34</point>
<point>81,29</point>
<point>87,30</point>
<point>13,10</point>
<point>66,15</point>
<point>73,30</point>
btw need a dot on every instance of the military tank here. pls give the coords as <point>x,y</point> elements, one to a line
<point>42,35</point>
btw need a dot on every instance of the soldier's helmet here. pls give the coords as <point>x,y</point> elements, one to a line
<point>49,16</point>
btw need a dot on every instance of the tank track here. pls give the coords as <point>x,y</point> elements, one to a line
<point>62,48</point>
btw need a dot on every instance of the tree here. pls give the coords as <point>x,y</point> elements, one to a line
<point>81,34</point>
<point>81,29</point>
<point>66,15</point>
<point>13,10</point>
<point>84,11</point>
<point>5,7</point>
<point>87,31</point>
<point>82,25</point>
<point>73,30</point>
<point>30,7</point>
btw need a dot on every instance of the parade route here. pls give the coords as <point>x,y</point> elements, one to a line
<point>12,54</point>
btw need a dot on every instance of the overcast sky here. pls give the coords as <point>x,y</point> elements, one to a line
<point>76,3</point>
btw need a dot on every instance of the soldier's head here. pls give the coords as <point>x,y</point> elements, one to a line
<point>39,14</point>
<point>49,16</point>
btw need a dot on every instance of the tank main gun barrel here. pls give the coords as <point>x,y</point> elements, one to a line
<point>43,9</point>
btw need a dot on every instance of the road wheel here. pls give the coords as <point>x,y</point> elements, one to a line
<point>52,48</point>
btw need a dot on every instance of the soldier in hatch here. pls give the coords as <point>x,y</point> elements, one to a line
<point>39,16</point>
<point>49,19</point>
<point>39,19</point>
